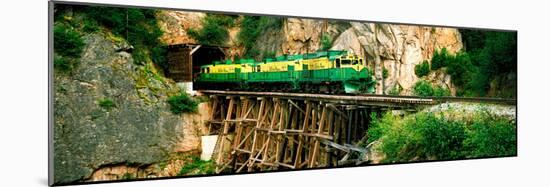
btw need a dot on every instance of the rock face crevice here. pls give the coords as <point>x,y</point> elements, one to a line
<point>138,128</point>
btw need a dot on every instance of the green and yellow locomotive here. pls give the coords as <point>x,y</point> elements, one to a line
<point>320,72</point>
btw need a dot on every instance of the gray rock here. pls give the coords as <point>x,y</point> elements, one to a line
<point>138,130</point>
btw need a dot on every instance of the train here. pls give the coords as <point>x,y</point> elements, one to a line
<point>334,72</point>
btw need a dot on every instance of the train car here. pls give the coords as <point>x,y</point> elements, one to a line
<point>320,72</point>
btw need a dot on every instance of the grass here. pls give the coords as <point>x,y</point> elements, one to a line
<point>106,103</point>
<point>197,167</point>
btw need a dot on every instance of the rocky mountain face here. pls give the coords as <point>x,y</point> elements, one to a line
<point>395,48</point>
<point>176,23</point>
<point>111,117</point>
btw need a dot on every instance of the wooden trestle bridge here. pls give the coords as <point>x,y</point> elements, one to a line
<point>263,131</point>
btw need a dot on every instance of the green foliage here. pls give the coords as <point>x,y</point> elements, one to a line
<point>63,64</point>
<point>138,26</point>
<point>106,103</point>
<point>182,103</point>
<point>67,41</point>
<point>459,67</point>
<point>68,45</point>
<point>214,30</point>
<point>252,27</point>
<point>396,90</point>
<point>326,42</point>
<point>425,88</point>
<point>493,54</point>
<point>128,176</point>
<point>385,73</point>
<point>490,137</point>
<point>422,69</point>
<point>426,136</point>
<point>90,25</point>
<point>440,59</point>
<point>440,91</point>
<point>198,166</point>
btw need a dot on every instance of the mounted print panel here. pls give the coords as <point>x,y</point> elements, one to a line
<point>141,93</point>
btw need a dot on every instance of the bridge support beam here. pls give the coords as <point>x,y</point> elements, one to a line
<point>270,133</point>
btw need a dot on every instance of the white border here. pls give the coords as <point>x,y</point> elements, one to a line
<point>23,123</point>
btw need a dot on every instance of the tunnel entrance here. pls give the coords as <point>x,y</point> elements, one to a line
<point>184,61</point>
<point>206,55</point>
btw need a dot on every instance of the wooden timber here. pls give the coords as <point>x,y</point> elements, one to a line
<point>271,133</point>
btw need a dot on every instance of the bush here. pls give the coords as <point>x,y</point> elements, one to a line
<point>440,59</point>
<point>67,41</point>
<point>493,55</point>
<point>198,166</point>
<point>90,25</point>
<point>214,30</point>
<point>422,69</point>
<point>423,88</point>
<point>106,103</point>
<point>252,27</point>
<point>63,64</point>
<point>440,92</point>
<point>326,43</point>
<point>182,103</point>
<point>385,73</point>
<point>138,26</point>
<point>426,136</point>
<point>490,137</point>
<point>396,90</point>
<point>459,67</point>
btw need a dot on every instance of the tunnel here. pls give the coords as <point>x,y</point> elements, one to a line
<point>185,60</point>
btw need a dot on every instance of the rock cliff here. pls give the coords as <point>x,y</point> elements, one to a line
<point>110,112</point>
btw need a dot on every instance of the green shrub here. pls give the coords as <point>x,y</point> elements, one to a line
<point>385,73</point>
<point>422,69</point>
<point>128,176</point>
<point>459,67</point>
<point>182,103</point>
<point>214,30</point>
<point>326,42</point>
<point>106,103</point>
<point>440,138</point>
<point>440,91</point>
<point>490,137</point>
<point>90,25</point>
<point>67,41</point>
<point>440,59</point>
<point>63,64</point>
<point>423,88</point>
<point>426,136</point>
<point>396,90</point>
<point>197,167</point>
<point>493,54</point>
<point>254,26</point>
<point>138,26</point>
<point>158,56</point>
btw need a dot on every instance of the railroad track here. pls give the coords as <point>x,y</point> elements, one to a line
<point>370,99</point>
